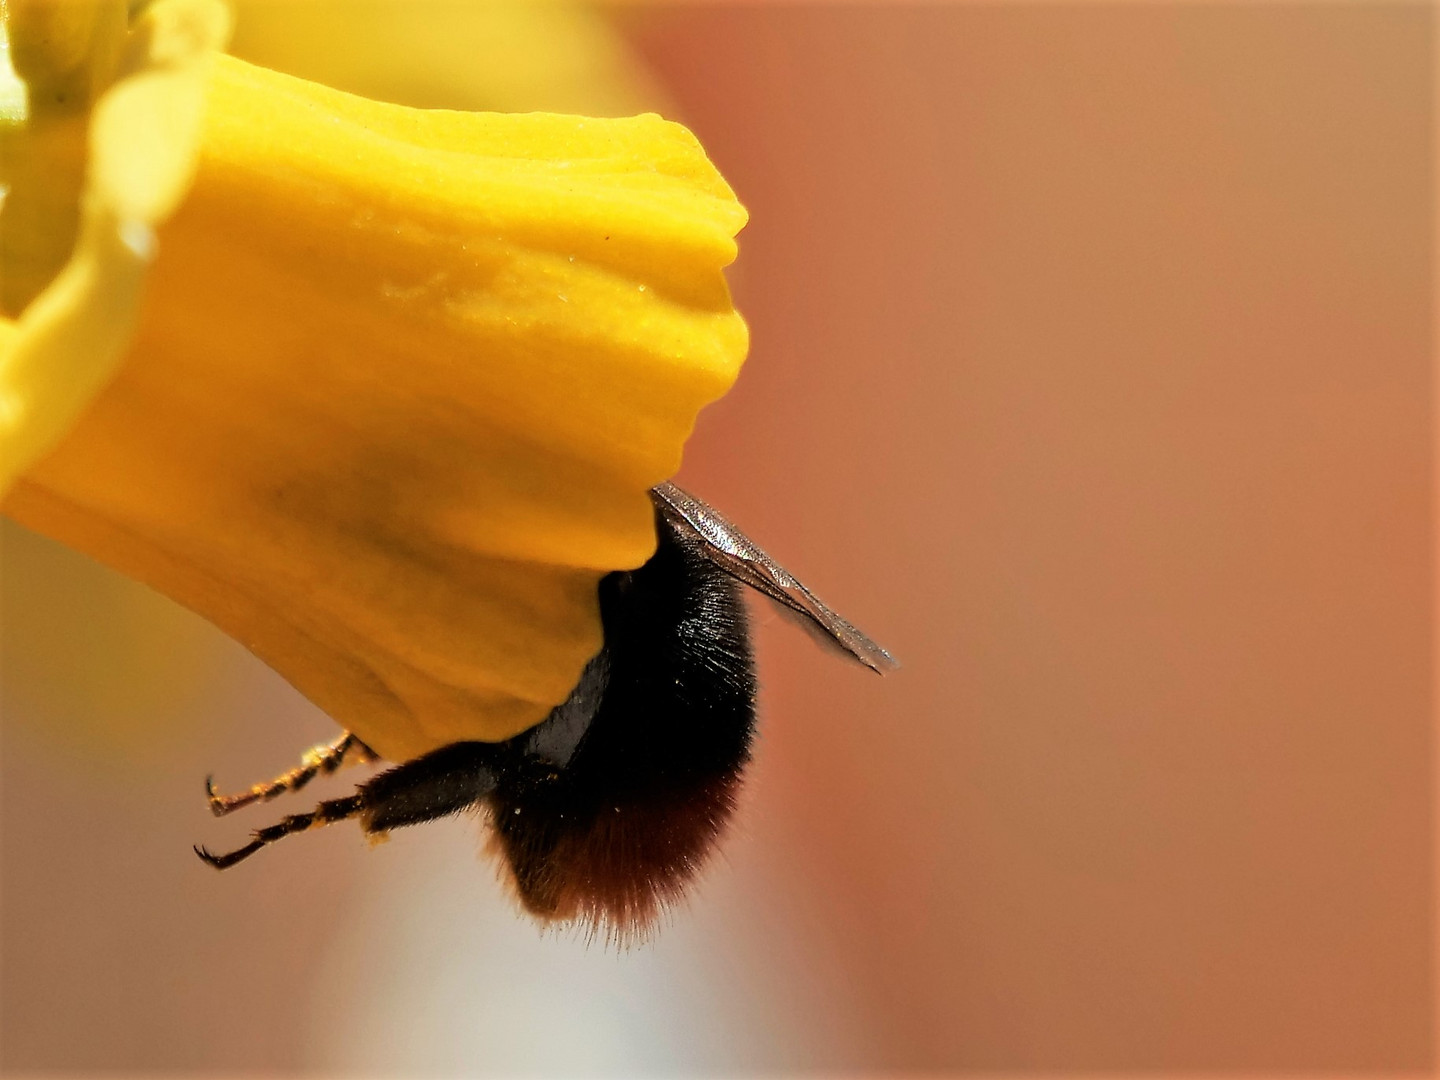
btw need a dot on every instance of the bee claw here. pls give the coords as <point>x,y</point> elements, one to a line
<point>216,800</point>
<point>221,862</point>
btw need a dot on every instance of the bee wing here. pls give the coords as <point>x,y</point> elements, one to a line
<point>735,553</point>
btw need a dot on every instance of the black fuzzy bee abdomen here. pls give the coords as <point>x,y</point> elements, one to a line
<point>617,830</point>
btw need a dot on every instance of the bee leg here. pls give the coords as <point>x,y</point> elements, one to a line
<point>445,781</point>
<point>327,813</point>
<point>442,782</point>
<point>325,758</point>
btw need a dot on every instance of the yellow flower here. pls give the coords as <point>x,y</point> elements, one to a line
<point>400,380</point>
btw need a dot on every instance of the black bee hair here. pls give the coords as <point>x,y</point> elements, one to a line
<point>604,813</point>
<point>610,829</point>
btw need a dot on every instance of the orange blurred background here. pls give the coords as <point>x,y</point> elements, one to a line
<point>1092,375</point>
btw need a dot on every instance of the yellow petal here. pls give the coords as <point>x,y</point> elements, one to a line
<point>66,54</point>
<point>142,136</point>
<point>402,382</point>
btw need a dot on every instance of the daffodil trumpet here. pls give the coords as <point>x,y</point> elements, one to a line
<point>381,392</point>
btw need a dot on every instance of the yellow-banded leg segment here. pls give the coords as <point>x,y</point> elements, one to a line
<point>325,758</point>
<point>327,813</point>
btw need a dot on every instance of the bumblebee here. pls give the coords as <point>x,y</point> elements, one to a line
<point>604,812</point>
